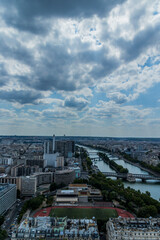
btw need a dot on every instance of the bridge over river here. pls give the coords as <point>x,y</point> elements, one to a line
<point>131,176</point>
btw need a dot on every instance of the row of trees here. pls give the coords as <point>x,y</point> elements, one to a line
<point>31,204</point>
<point>143,164</point>
<point>112,164</point>
<point>3,233</point>
<point>134,201</point>
<point>139,203</point>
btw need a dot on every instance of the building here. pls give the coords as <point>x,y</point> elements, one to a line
<point>67,196</point>
<point>64,176</point>
<point>8,195</point>
<point>133,229</point>
<point>28,186</point>
<point>43,178</point>
<point>66,148</point>
<point>35,162</point>
<point>77,171</point>
<point>10,180</point>
<point>22,170</point>
<point>6,161</point>
<point>86,192</point>
<point>51,157</point>
<point>56,228</point>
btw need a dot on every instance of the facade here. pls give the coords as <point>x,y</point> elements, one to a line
<point>60,162</point>
<point>35,162</point>
<point>11,180</point>
<point>28,185</point>
<point>8,195</point>
<point>56,228</point>
<point>22,170</point>
<point>6,161</point>
<point>77,171</point>
<point>64,176</point>
<point>67,196</point>
<point>43,178</point>
<point>66,148</point>
<point>133,229</point>
<point>52,158</point>
<point>86,192</point>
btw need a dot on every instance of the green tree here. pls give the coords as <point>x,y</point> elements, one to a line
<point>1,220</point>
<point>3,234</point>
<point>147,211</point>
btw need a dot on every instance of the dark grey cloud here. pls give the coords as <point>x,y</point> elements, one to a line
<point>52,70</point>
<point>3,75</point>
<point>76,103</point>
<point>25,15</point>
<point>131,49</point>
<point>21,96</point>
<point>59,70</point>
<point>105,67</point>
<point>12,49</point>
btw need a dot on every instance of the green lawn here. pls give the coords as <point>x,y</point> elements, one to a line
<point>98,213</point>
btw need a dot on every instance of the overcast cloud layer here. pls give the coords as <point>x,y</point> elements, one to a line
<point>80,67</point>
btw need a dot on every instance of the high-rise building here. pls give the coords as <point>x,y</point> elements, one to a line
<point>52,158</point>
<point>66,148</point>
<point>8,195</point>
<point>65,176</point>
<point>28,185</point>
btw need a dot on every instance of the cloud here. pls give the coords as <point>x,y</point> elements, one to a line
<point>58,113</point>
<point>76,103</point>
<point>3,75</point>
<point>5,113</point>
<point>112,110</point>
<point>29,15</point>
<point>148,37</point>
<point>11,48</point>
<point>21,96</point>
<point>88,63</point>
<point>118,97</point>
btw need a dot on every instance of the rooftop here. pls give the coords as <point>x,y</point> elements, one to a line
<point>4,187</point>
<point>137,224</point>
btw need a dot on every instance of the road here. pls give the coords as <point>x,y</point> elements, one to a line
<point>12,215</point>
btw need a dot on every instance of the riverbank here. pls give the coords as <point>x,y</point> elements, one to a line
<point>119,156</point>
<point>135,164</point>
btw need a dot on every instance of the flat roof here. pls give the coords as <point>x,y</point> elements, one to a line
<point>78,185</point>
<point>4,187</point>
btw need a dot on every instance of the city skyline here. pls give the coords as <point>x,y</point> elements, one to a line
<point>80,68</point>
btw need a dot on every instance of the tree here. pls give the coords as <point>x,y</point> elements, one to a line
<point>3,234</point>
<point>53,187</point>
<point>18,193</point>
<point>147,211</point>
<point>1,220</point>
<point>148,193</point>
<point>49,200</point>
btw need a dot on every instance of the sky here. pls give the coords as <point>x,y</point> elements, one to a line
<point>80,68</point>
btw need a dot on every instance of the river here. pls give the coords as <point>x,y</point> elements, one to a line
<point>152,186</point>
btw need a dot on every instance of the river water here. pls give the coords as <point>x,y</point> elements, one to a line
<point>152,186</point>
